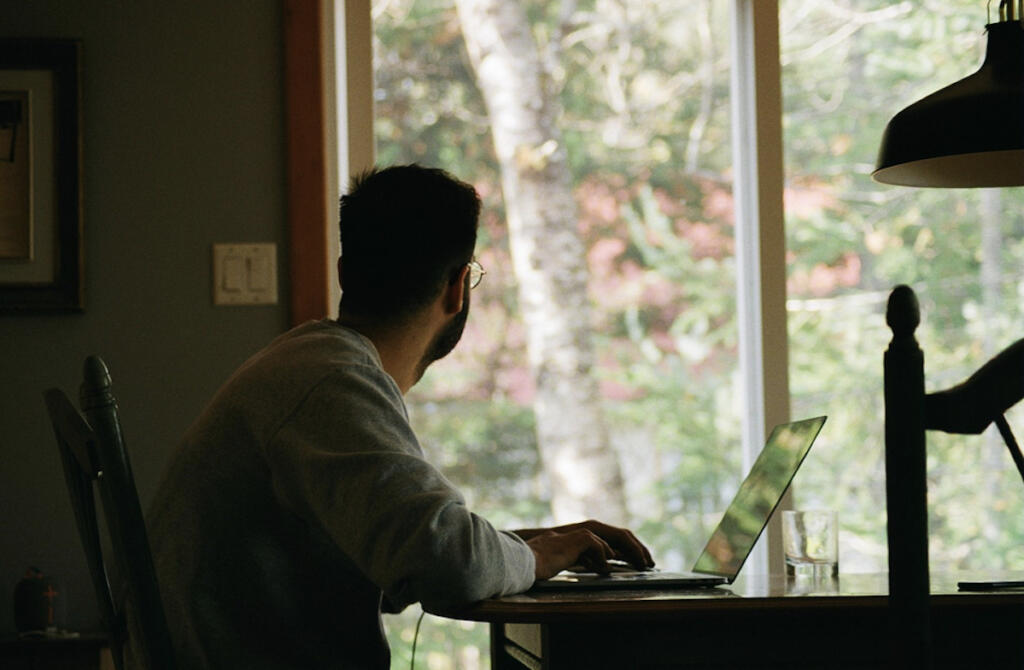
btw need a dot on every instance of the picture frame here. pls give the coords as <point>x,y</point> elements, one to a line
<point>41,253</point>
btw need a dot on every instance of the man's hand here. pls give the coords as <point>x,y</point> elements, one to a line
<point>590,544</point>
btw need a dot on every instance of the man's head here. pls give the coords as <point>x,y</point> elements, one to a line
<point>406,232</point>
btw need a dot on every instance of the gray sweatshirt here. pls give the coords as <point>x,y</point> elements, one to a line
<point>297,500</point>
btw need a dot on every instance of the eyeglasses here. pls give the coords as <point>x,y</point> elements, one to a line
<point>476,273</point>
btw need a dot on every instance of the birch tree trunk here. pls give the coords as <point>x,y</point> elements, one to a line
<point>549,261</point>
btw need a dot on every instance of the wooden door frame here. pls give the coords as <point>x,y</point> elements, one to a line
<point>320,154</point>
<point>306,164</point>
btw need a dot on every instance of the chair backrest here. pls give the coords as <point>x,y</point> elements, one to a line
<point>906,485</point>
<point>92,450</point>
<point>967,408</point>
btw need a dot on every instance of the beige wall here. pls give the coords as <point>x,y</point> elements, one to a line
<point>183,147</point>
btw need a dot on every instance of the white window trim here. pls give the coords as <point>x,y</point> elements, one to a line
<point>756,98</point>
<point>349,103</point>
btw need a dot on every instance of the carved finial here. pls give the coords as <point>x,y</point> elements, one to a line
<point>95,372</point>
<point>95,389</point>
<point>903,314</point>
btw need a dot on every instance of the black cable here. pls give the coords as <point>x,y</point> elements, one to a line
<point>415,638</point>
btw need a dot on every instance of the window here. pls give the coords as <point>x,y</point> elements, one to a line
<point>645,119</point>
<point>608,380</point>
<point>851,240</point>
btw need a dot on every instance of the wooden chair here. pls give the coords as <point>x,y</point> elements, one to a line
<point>92,451</point>
<point>968,408</point>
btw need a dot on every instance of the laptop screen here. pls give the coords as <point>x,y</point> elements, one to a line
<point>757,498</point>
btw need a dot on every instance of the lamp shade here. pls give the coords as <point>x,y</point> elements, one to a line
<point>968,134</point>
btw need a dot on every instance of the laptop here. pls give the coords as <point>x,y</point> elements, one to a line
<point>741,525</point>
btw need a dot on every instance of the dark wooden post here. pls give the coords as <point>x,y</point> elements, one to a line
<point>125,521</point>
<point>905,485</point>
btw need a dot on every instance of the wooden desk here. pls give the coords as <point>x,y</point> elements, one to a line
<point>755,623</point>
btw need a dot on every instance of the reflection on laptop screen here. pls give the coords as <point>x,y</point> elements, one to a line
<point>757,498</point>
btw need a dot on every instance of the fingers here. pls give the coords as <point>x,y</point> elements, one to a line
<point>641,555</point>
<point>626,545</point>
<point>589,550</point>
<point>590,544</point>
<point>556,551</point>
<point>594,552</point>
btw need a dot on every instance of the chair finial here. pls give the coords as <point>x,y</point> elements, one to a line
<point>95,390</point>
<point>903,313</point>
<point>95,372</point>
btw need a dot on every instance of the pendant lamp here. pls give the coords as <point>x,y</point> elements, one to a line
<point>968,134</point>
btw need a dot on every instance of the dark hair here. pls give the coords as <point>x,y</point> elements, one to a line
<point>406,231</point>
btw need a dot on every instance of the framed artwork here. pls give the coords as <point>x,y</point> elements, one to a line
<point>40,176</point>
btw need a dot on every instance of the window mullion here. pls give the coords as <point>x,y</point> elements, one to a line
<point>760,238</point>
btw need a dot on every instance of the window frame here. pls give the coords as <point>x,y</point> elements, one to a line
<point>324,113</point>
<point>330,138</point>
<point>756,95</point>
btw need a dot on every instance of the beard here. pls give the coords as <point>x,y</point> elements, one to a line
<point>444,342</point>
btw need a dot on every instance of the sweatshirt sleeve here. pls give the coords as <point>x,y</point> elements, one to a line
<point>347,460</point>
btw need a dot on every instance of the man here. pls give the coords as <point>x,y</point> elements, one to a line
<point>300,504</point>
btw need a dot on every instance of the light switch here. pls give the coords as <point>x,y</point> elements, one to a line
<point>234,273</point>
<point>245,274</point>
<point>258,273</point>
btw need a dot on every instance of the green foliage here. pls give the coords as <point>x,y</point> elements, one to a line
<point>441,643</point>
<point>929,238</point>
<point>486,441</point>
<point>644,93</point>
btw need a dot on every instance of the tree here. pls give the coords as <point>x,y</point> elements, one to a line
<point>549,260</point>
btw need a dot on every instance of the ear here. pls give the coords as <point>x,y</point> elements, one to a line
<point>455,292</point>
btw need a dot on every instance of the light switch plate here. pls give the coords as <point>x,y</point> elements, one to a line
<point>245,274</point>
